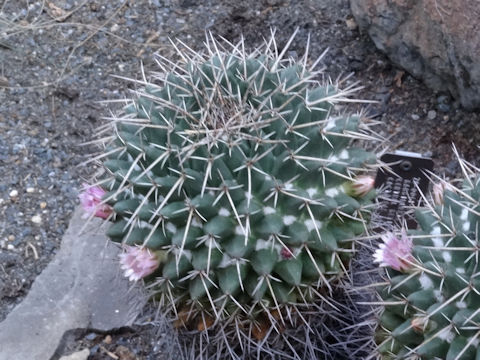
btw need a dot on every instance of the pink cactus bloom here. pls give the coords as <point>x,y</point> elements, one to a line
<point>91,200</point>
<point>362,185</point>
<point>438,191</point>
<point>286,253</point>
<point>395,252</point>
<point>138,262</point>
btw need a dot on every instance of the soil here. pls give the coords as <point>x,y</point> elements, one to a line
<point>57,60</point>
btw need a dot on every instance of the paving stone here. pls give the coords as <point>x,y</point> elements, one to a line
<point>79,355</point>
<point>81,288</point>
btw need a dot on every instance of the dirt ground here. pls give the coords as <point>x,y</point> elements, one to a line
<point>57,60</point>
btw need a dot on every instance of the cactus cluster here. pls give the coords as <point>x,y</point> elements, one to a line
<point>236,174</point>
<point>432,298</point>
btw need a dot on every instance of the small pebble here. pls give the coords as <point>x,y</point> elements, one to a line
<point>10,247</point>
<point>91,336</point>
<point>43,205</point>
<point>432,114</point>
<point>351,24</point>
<point>442,99</point>
<point>30,189</point>
<point>108,339</point>
<point>13,193</point>
<point>415,117</point>
<point>443,107</point>
<point>36,219</point>
<point>11,237</point>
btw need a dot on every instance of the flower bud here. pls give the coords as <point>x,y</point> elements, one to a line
<point>362,185</point>
<point>438,191</point>
<point>91,200</point>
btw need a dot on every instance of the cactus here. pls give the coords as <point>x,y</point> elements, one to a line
<point>235,170</point>
<point>432,296</point>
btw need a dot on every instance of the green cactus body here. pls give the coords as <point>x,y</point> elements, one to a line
<point>236,167</point>
<point>437,310</point>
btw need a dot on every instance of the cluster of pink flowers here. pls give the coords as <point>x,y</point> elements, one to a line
<point>138,262</point>
<point>91,200</point>
<point>395,252</point>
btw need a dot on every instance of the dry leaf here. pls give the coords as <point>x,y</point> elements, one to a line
<point>57,12</point>
<point>182,319</point>
<point>275,314</point>
<point>205,322</point>
<point>260,330</point>
<point>398,78</point>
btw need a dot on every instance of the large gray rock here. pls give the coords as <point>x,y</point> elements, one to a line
<point>435,40</point>
<point>80,288</point>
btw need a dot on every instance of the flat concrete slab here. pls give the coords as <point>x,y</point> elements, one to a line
<point>81,288</point>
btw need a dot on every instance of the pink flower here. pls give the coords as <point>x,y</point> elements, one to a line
<point>91,200</point>
<point>362,185</point>
<point>438,190</point>
<point>395,252</point>
<point>286,253</point>
<point>138,262</point>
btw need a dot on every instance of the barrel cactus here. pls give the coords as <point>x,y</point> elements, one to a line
<point>234,173</point>
<point>432,291</point>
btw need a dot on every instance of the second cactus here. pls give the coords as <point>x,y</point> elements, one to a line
<point>432,296</point>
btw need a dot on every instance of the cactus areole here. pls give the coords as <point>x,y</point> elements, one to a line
<point>237,169</point>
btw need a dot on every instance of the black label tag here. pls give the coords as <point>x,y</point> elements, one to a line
<point>399,187</point>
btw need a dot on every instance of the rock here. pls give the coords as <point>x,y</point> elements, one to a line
<point>91,336</point>
<point>81,288</point>
<point>37,219</point>
<point>351,24</point>
<point>415,117</point>
<point>436,41</point>
<point>443,104</point>
<point>445,108</point>
<point>432,114</point>
<point>79,355</point>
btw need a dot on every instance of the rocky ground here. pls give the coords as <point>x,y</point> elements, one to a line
<point>57,60</point>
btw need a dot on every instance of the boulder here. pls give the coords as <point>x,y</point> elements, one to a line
<point>437,41</point>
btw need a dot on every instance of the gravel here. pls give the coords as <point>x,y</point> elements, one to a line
<point>57,71</point>
<point>58,58</point>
